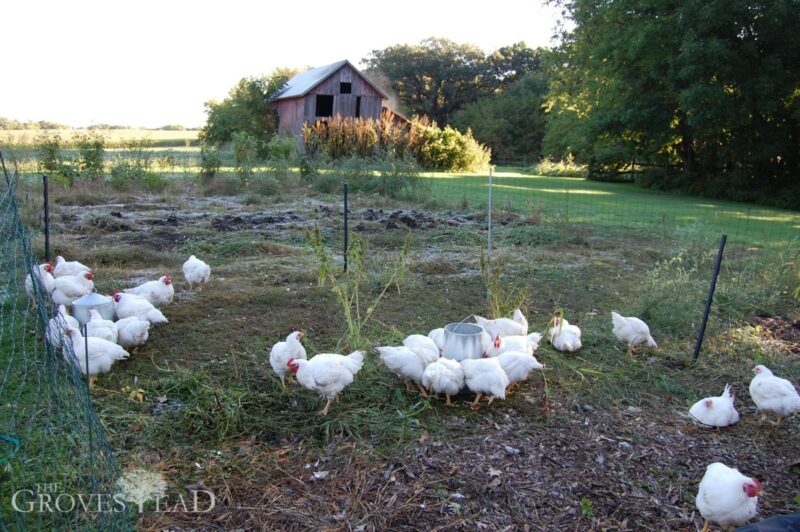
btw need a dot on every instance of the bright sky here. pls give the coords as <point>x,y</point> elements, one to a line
<point>149,63</point>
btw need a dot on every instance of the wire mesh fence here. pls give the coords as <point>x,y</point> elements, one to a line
<point>57,470</point>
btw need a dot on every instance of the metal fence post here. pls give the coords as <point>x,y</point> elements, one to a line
<point>345,228</point>
<point>489,242</point>
<point>46,219</point>
<point>710,298</point>
<point>5,172</point>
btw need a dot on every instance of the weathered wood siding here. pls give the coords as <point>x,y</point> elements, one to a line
<point>345,104</point>
<point>290,114</point>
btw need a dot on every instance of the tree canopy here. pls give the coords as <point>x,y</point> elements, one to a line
<point>708,90</point>
<point>512,122</point>
<point>437,77</point>
<point>246,109</point>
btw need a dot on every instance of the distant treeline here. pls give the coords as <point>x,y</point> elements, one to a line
<point>35,125</point>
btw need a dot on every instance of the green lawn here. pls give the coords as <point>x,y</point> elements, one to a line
<point>617,205</point>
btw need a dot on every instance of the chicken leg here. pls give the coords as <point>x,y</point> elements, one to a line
<point>474,405</point>
<point>706,528</point>
<point>92,380</point>
<point>324,411</point>
<point>422,391</point>
<point>449,402</point>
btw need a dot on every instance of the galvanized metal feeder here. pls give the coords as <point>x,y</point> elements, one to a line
<point>81,308</point>
<point>463,340</point>
<point>94,301</point>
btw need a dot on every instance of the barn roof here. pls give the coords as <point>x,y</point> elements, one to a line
<point>302,83</point>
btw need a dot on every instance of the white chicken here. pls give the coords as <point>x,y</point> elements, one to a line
<point>727,497</point>
<point>195,271</point>
<point>437,335</point>
<point>516,326</point>
<point>97,327</point>
<point>773,394</point>
<point>68,288</point>
<point>282,352</point>
<point>158,293</point>
<point>68,269</point>
<point>632,331</point>
<point>327,373</point>
<point>408,363</point>
<point>58,325</point>
<point>423,342</point>
<point>526,344</point>
<point>132,332</point>
<point>445,376</point>
<point>102,354</point>
<point>716,411</point>
<point>128,305</point>
<point>518,365</point>
<point>485,376</point>
<point>44,273</point>
<point>564,336</point>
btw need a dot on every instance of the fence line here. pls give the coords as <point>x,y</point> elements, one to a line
<point>45,409</point>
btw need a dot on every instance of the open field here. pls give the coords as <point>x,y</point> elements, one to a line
<point>26,137</point>
<point>598,440</point>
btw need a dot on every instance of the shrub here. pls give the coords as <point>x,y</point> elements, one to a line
<point>245,154</point>
<point>210,160</point>
<point>281,147</point>
<point>51,160</point>
<point>562,168</point>
<point>91,153</point>
<point>126,175</point>
<point>448,150</point>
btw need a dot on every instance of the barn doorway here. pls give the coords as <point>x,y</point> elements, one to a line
<point>324,105</point>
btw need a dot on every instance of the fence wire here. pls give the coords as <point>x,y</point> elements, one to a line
<point>57,470</point>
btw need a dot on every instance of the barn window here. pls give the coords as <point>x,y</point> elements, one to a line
<point>345,87</point>
<point>324,105</point>
<point>358,106</point>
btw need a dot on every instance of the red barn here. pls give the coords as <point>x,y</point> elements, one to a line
<point>326,91</point>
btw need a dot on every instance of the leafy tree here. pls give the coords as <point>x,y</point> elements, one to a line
<point>247,109</point>
<point>705,89</point>
<point>509,64</point>
<point>433,78</point>
<point>511,123</point>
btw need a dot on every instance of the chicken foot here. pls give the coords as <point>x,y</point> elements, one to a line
<point>422,391</point>
<point>706,528</point>
<point>324,411</point>
<point>474,405</point>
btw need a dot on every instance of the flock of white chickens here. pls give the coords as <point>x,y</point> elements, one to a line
<point>725,496</point>
<point>135,310</point>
